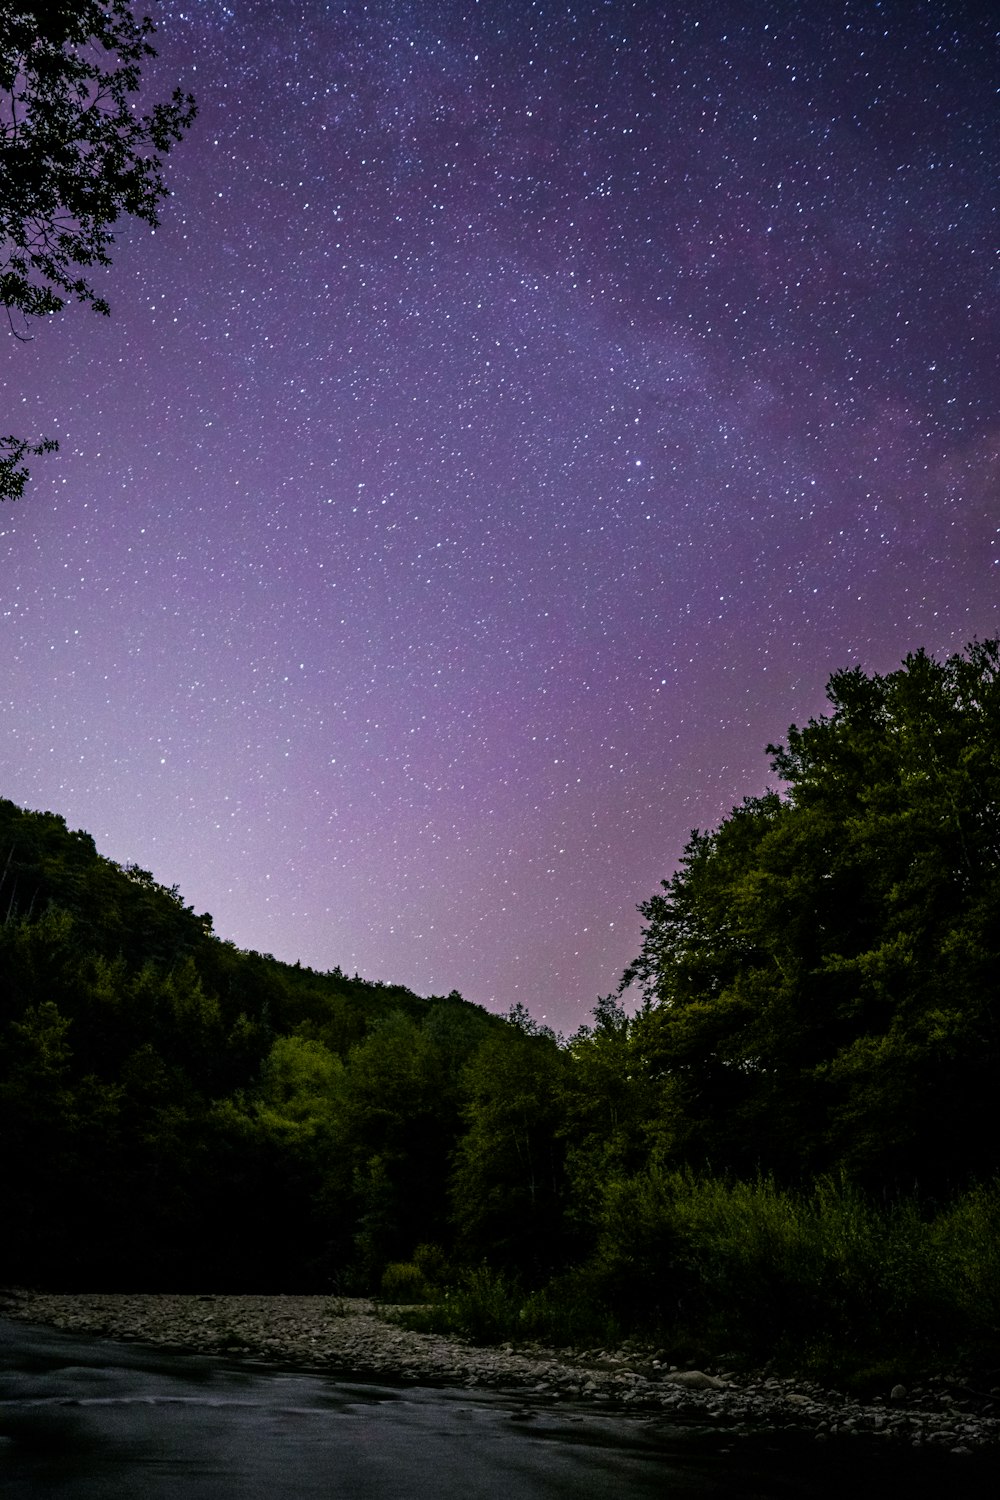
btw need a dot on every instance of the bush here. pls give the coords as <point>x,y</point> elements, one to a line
<point>489,1307</point>
<point>825,1277</point>
<point>433,1265</point>
<point>966,1238</point>
<point>824,1280</point>
<point>402,1281</point>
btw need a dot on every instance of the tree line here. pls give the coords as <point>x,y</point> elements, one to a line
<point>815,1025</point>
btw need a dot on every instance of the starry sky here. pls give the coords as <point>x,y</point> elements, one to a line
<point>520,412</point>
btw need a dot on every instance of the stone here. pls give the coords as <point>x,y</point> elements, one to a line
<point>694,1380</point>
<point>349,1335</point>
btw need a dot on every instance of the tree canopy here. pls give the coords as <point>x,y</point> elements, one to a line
<point>76,155</point>
<point>820,974</point>
<point>792,1138</point>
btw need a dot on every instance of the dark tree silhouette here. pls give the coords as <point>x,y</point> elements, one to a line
<point>76,155</point>
<point>820,972</point>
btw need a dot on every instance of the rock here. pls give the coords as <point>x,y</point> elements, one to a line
<point>346,1335</point>
<point>695,1380</point>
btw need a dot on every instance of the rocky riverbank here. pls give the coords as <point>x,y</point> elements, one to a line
<point>353,1336</point>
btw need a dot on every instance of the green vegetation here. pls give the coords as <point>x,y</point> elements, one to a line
<point>821,974</point>
<point>824,1280</point>
<point>785,1153</point>
<point>176,1112</point>
<point>489,1307</point>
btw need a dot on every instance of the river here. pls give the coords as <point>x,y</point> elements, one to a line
<point>89,1419</point>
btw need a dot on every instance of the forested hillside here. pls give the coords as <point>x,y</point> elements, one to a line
<point>789,1144</point>
<point>175,1111</point>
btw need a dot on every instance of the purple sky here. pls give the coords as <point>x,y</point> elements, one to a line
<point>521,411</point>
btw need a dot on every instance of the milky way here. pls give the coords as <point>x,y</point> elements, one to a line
<point>521,411</point>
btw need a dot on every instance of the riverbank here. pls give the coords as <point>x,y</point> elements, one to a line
<point>351,1336</point>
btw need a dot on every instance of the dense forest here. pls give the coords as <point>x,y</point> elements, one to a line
<point>788,1145</point>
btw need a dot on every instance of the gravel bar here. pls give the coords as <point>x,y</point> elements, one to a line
<point>343,1335</point>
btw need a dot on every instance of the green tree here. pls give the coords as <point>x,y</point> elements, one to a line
<point>610,1122</point>
<point>399,1123</point>
<point>299,1087</point>
<point>174,1111</point>
<point>508,1185</point>
<point>820,974</point>
<point>76,155</point>
<point>57,1132</point>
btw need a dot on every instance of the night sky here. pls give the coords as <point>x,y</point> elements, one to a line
<point>521,411</point>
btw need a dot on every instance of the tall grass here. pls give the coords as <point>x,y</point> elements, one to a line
<point>826,1279</point>
<point>966,1238</point>
<point>489,1307</point>
<point>823,1276</point>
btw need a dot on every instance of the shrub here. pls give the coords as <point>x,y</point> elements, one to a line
<point>823,1280</point>
<point>402,1281</point>
<point>825,1275</point>
<point>966,1238</point>
<point>489,1307</point>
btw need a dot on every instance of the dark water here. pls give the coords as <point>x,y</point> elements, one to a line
<point>93,1420</point>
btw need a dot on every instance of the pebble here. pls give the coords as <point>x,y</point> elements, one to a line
<point>353,1335</point>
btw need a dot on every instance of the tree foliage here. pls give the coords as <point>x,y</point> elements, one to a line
<point>77,154</point>
<point>508,1184</point>
<point>14,472</point>
<point>792,1137</point>
<point>199,1113</point>
<point>820,974</point>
